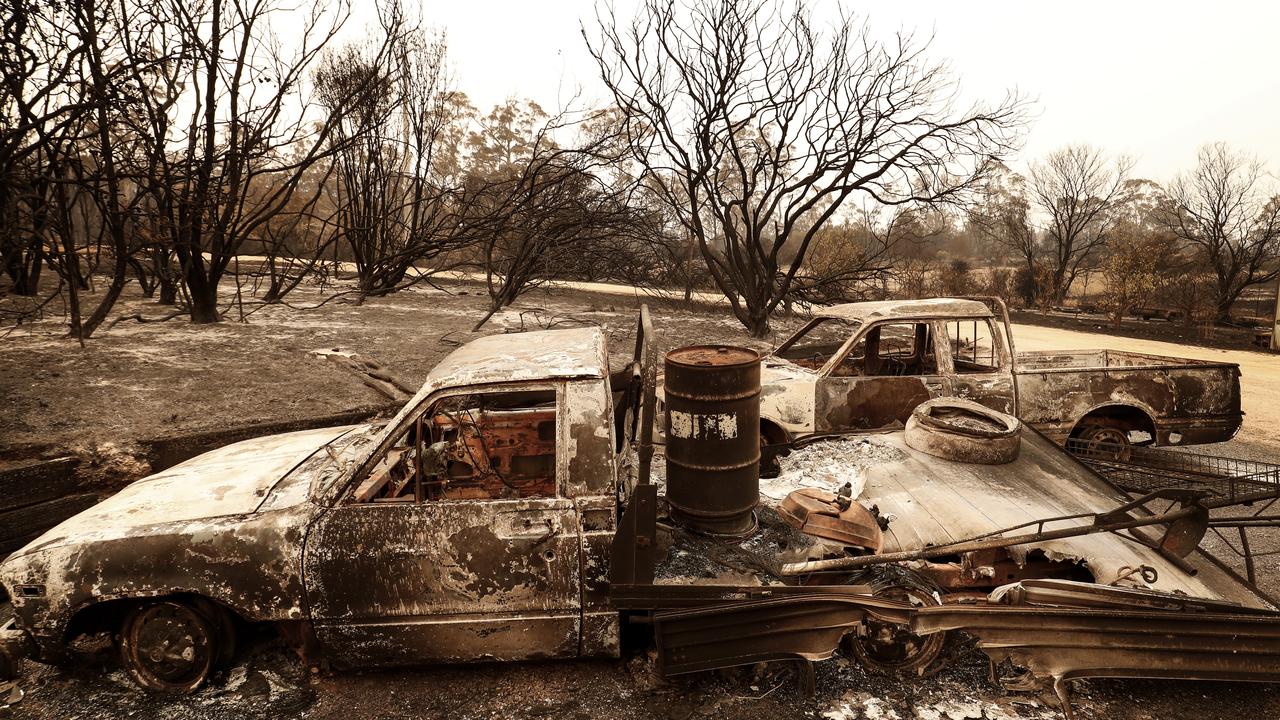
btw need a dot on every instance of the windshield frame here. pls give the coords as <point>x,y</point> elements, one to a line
<point>855,328</point>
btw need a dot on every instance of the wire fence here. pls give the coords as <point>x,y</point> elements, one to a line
<point>1142,469</point>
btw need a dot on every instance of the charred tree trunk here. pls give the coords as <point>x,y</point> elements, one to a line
<point>204,304</point>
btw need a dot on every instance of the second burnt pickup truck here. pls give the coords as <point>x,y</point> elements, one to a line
<point>868,365</point>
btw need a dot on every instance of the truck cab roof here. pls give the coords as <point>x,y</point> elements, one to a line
<point>906,309</point>
<point>520,357</point>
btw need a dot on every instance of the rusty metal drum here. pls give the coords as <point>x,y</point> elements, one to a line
<point>712,398</point>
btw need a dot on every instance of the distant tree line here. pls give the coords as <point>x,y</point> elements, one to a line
<point>224,153</point>
<point>1193,245</point>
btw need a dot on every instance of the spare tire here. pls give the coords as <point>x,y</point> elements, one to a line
<point>964,431</point>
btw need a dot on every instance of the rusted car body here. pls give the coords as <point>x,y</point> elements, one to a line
<point>473,525</point>
<point>867,365</point>
<point>506,512</point>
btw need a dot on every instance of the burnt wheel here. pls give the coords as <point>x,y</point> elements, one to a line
<point>892,648</point>
<point>1105,440</point>
<point>224,627</point>
<point>169,646</point>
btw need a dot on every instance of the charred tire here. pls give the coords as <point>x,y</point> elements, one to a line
<point>964,431</point>
<point>890,648</point>
<point>224,626</point>
<point>169,646</point>
<point>773,434</point>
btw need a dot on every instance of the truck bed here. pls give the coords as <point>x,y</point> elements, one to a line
<point>1171,400</point>
<point>1074,360</point>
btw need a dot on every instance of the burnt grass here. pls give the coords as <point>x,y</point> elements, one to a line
<point>137,381</point>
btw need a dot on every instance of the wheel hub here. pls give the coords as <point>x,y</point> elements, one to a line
<point>169,647</point>
<point>893,648</point>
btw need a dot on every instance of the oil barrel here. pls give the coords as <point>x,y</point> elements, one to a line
<point>712,398</point>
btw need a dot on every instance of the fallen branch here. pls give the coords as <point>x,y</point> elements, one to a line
<point>139,318</point>
<point>371,373</point>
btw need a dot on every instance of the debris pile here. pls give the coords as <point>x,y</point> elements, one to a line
<point>697,559</point>
<point>828,465</point>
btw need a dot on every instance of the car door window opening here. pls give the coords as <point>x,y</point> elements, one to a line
<point>891,350</point>
<point>973,348</point>
<point>488,446</point>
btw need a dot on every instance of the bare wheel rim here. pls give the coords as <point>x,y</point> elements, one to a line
<point>892,647</point>
<point>1103,439</point>
<point>169,646</point>
<point>1109,435</point>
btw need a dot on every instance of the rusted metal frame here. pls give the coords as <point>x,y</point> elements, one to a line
<point>839,355</point>
<point>956,577</point>
<point>1012,360</point>
<point>1245,551</point>
<point>942,354</point>
<point>1177,560</point>
<point>1104,523</point>
<point>649,597</point>
<point>648,395</point>
<point>1215,503</point>
<point>1191,365</point>
<point>786,344</point>
<point>1209,503</point>
<point>803,626</point>
<point>1072,643</point>
<point>748,633</point>
<point>1194,468</point>
<point>1236,576</point>
<point>1246,521</point>
<point>632,556</point>
<point>1248,556</point>
<point>1086,595</point>
<point>419,492</point>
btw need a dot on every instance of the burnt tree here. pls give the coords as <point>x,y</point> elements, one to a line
<point>1077,190</point>
<point>395,187</point>
<point>548,212</point>
<point>231,146</point>
<point>758,125</point>
<point>1226,210</point>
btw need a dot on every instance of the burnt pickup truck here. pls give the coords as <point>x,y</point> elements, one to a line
<point>507,513</point>
<point>867,365</point>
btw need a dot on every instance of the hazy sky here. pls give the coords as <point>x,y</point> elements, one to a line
<point>1151,79</point>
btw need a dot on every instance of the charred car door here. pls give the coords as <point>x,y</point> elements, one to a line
<point>458,544</point>
<point>879,377</point>
<point>980,363</point>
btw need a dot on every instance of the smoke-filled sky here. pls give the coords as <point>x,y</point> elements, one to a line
<point>1151,79</point>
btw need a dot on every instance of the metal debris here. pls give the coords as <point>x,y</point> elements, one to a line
<point>828,464</point>
<point>834,517</point>
<point>10,694</point>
